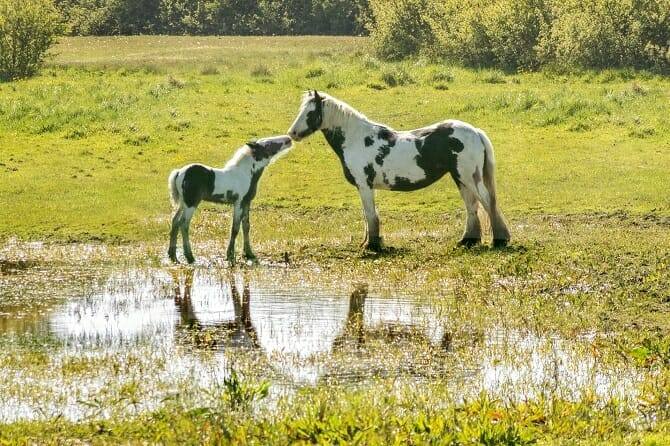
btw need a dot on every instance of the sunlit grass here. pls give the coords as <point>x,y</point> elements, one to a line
<point>582,170</point>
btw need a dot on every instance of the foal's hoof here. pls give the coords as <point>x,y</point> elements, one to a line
<point>172,253</point>
<point>469,242</point>
<point>500,243</point>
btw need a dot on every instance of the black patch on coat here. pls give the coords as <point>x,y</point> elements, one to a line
<point>370,174</point>
<point>198,184</point>
<point>387,135</point>
<point>383,153</point>
<point>261,152</point>
<point>229,197</point>
<point>368,141</point>
<point>253,188</point>
<point>314,117</point>
<point>335,138</point>
<point>437,155</point>
<point>402,184</point>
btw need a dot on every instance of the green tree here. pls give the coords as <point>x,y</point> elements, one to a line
<point>28,28</point>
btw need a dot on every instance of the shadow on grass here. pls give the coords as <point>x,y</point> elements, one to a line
<point>386,252</point>
<point>484,249</point>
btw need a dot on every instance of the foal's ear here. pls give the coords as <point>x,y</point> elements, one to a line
<point>253,144</point>
<point>317,97</point>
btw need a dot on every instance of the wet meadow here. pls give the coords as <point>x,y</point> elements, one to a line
<point>560,338</point>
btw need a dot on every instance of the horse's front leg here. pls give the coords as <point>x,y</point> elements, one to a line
<point>234,230</point>
<point>246,225</point>
<point>374,242</point>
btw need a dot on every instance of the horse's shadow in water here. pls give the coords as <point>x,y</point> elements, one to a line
<point>239,332</point>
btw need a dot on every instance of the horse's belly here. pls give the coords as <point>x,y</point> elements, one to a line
<point>400,171</point>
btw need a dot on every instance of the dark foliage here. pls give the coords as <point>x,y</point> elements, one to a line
<point>214,17</point>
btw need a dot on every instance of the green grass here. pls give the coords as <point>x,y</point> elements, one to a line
<point>87,146</point>
<point>583,166</point>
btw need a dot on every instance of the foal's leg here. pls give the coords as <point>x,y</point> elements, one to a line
<point>372,219</point>
<point>246,224</point>
<point>185,228</point>
<point>473,231</point>
<point>174,230</point>
<point>235,229</point>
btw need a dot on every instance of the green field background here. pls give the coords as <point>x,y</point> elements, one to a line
<point>86,147</point>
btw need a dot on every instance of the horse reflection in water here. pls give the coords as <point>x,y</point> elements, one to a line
<point>356,334</point>
<point>371,335</point>
<point>238,332</point>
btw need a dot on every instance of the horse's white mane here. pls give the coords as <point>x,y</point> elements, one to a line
<point>343,112</point>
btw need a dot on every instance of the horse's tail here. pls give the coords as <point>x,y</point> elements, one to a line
<point>175,196</point>
<point>489,168</point>
<point>499,225</point>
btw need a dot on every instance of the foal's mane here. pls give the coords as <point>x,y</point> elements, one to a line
<point>240,154</point>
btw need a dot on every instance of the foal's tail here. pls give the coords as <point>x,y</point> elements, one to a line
<point>175,196</point>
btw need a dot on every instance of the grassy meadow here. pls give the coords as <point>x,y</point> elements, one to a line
<point>583,165</point>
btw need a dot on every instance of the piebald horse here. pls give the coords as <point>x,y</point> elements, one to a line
<point>374,156</point>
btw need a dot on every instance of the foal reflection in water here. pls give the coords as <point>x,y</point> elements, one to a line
<point>239,332</point>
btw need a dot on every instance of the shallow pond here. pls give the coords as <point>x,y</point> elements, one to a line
<point>107,342</point>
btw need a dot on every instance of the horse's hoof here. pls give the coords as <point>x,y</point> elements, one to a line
<point>251,258</point>
<point>500,243</point>
<point>375,245</point>
<point>469,242</point>
<point>189,258</point>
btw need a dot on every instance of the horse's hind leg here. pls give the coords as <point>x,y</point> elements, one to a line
<point>374,242</point>
<point>187,214</point>
<point>174,230</point>
<point>501,234</point>
<point>473,230</point>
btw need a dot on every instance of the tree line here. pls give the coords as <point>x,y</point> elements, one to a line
<point>213,17</point>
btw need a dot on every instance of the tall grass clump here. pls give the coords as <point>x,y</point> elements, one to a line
<point>28,28</point>
<point>521,35</point>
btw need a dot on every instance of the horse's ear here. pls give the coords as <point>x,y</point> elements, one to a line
<point>317,97</point>
<point>252,144</point>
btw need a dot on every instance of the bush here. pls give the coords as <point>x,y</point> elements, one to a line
<point>592,34</point>
<point>526,34</point>
<point>28,28</point>
<point>513,28</point>
<point>399,28</point>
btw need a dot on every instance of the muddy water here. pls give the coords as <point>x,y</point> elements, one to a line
<point>120,342</point>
